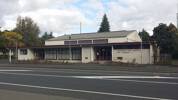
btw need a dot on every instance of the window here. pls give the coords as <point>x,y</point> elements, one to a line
<point>76,53</point>
<point>23,51</point>
<point>51,54</point>
<point>131,46</point>
<point>100,41</point>
<point>70,42</point>
<point>85,42</point>
<point>64,53</point>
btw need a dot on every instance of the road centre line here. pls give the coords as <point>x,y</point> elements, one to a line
<point>98,71</point>
<point>83,91</point>
<point>122,78</point>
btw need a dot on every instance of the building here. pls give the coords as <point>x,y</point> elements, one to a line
<point>116,46</point>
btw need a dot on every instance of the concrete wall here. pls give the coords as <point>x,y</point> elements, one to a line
<point>117,40</point>
<point>132,56</point>
<point>87,54</point>
<point>65,61</point>
<point>54,43</point>
<point>134,37</point>
<point>29,56</point>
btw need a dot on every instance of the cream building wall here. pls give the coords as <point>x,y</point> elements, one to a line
<point>87,54</point>
<point>28,56</point>
<point>134,37</point>
<point>137,56</point>
<point>48,43</point>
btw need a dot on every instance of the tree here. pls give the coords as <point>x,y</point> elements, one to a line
<point>29,30</point>
<point>164,37</point>
<point>1,39</point>
<point>11,38</point>
<point>174,31</point>
<point>104,27</point>
<point>46,36</point>
<point>144,36</point>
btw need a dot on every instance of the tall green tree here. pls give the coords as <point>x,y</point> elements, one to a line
<point>1,39</point>
<point>29,30</point>
<point>165,38</point>
<point>46,36</point>
<point>104,27</point>
<point>174,31</point>
<point>144,36</point>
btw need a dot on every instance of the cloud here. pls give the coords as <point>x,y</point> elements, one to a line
<point>61,21</point>
<point>139,14</point>
<point>64,16</point>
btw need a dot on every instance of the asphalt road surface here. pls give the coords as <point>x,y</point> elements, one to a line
<point>90,84</point>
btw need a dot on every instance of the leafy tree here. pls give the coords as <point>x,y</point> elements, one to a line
<point>1,39</point>
<point>144,36</point>
<point>174,31</point>
<point>29,30</point>
<point>46,36</point>
<point>104,27</point>
<point>165,38</point>
<point>11,38</point>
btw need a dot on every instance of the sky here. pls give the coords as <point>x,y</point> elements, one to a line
<point>64,16</point>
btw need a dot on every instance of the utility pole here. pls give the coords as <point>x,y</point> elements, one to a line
<point>70,53</point>
<point>141,51</point>
<point>80,27</point>
<point>177,16</point>
<point>16,51</point>
<point>141,48</point>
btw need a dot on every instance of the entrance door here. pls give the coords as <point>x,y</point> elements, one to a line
<point>103,53</point>
<point>39,54</point>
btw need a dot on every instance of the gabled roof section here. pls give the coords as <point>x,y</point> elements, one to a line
<point>113,34</point>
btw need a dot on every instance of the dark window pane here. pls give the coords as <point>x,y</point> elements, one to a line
<point>132,46</point>
<point>85,42</point>
<point>70,42</point>
<point>100,41</point>
<point>23,51</point>
<point>51,54</point>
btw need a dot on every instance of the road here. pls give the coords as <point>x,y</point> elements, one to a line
<point>90,84</point>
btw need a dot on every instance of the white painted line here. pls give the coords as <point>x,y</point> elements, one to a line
<point>8,70</point>
<point>132,79</point>
<point>119,78</point>
<point>140,81</point>
<point>84,91</point>
<point>126,77</point>
<point>116,72</point>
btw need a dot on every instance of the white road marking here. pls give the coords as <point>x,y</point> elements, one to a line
<point>115,72</point>
<point>118,78</point>
<point>126,77</point>
<point>84,91</point>
<point>9,70</point>
<point>141,81</point>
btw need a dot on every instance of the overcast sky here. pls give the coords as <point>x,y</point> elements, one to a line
<point>64,16</point>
